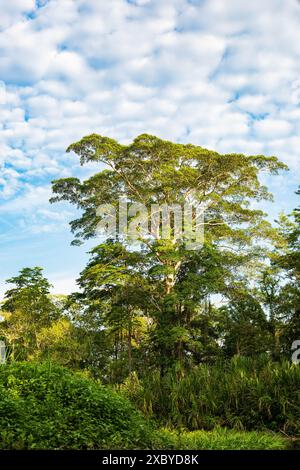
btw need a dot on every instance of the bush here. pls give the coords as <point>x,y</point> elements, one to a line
<point>242,394</point>
<point>48,407</point>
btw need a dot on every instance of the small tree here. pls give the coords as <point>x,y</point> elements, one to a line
<point>27,309</point>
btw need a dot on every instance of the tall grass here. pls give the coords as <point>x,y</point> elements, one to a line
<point>243,394</point>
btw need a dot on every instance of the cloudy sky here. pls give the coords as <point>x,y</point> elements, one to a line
<point>224,74</point>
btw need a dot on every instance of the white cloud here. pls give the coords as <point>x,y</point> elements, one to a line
<point>30,199</point>
<point>219,74</point>
<point>27,52</point>
<point>255,104</point>
<point>14,10</point>
<point>272,128</point>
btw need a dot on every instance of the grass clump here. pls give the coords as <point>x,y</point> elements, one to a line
<point>219,439</point>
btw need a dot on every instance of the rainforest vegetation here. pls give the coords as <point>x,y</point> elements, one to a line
<point>161,346</point>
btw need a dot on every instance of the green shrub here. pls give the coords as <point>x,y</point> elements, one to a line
<point>48,407</point>
<point>244,394</point>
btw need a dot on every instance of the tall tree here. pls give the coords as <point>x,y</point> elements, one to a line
<point>155,171</point>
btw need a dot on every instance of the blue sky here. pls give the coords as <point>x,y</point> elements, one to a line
<point>221,74</point>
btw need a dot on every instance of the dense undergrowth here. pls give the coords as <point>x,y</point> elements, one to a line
<point>43,406</point>
<point>244,394</point>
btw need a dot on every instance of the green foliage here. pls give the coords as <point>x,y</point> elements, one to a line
<point>62,343</point>
<point>288,254</point>
<point>154,170</point>
<point>245,328</point>
<point>218,439</point>
<point>48,407</point>
<point>167,283</point>
<point>244,393</point>
<point>27,309</point>
<point>148,311</point>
